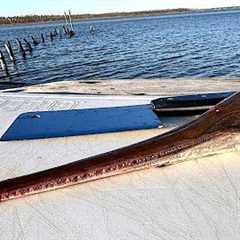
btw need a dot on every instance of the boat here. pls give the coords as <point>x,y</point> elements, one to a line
<point>221,121</point>
<point>192,199</point>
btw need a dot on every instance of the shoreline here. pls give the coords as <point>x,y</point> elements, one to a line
<point>29,19</point>
<point>36,19</point>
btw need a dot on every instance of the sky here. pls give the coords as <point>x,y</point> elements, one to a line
<point>24,7</point>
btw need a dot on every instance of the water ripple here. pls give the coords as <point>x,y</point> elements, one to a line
<point>174,46</point>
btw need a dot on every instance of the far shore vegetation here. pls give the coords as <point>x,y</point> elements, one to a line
<point>49,18</point>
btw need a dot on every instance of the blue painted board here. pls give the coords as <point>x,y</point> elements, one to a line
<point>49,124</point>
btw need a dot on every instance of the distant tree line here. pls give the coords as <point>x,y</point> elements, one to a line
<point>30,19</point>
<point>47,18</point>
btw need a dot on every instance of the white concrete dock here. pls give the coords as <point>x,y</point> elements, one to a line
<point>197,199</point>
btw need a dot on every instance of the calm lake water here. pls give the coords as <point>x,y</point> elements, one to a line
<point>198,45</point>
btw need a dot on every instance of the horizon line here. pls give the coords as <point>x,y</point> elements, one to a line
<point>122,12</point>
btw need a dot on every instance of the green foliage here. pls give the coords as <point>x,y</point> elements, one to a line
<point>47,18</point>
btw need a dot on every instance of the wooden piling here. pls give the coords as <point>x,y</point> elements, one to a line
<point>51,36</point>
<point>35,42</point>
<point>92,29</point>
<point>70,20</point>
<point>21,49</point>
<point>68,31</point>
<point>42,37</point>
<point>55,32</point>
<point>65,30</point>
<point>3,64</point>
<point>28,44</point>
<point>66,18</point>
<point>10,51</point>
<point>71,31</point>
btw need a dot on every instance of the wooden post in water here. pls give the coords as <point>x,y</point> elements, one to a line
<point>42,37</point>
<point>29,47</point>
<point>51,36</point>
<point>65,30</point>
<point>21,49</point>
<point>68,31</point>
<point>92,29</point>
<point>70,20</point>
<point>71,32</point>
<point>3,64</point>
<point>55,32</point>
<point>66,19</point>
<point>10,51</point>
<point>35,42</point>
